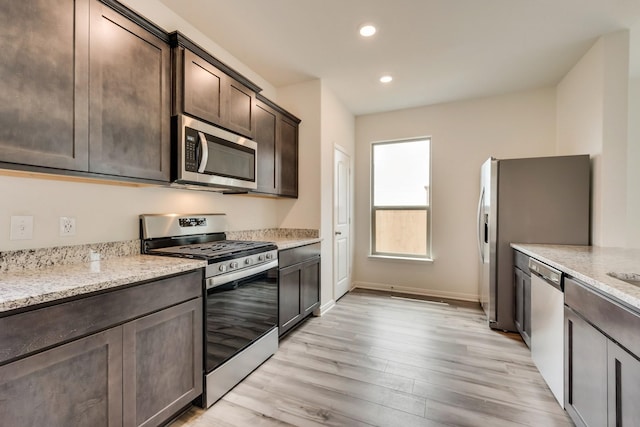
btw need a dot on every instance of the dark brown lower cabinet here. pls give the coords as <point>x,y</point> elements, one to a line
<point>298,285</point>
<point>522,319</point>
<point>138,373</point>
<point>162,363</point>
<point>586,371</point>
<point>76,384</point>
<point>602,377</point>
<point>522,292</point>
<point>624,387</point>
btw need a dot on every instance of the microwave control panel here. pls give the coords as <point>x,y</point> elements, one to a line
<point>190,149</point>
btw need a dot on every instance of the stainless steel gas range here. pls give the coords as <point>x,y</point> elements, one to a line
<point>240,292</point>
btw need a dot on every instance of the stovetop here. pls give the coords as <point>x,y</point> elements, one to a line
<point>213,251</point>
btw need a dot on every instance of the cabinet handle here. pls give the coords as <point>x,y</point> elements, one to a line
<point>338,233</point>
<point>618,393</point>
<point>204,147</point>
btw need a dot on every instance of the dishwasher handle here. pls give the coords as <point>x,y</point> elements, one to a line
<point>546,273</point>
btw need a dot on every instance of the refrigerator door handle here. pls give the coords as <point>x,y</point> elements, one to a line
<point>481,225</point>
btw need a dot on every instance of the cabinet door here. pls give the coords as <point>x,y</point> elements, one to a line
<point>522,310</point>
<point>310,286</point>
<point>203,87</point>
<point>266,119</point>
<point>518,283</point>
<point>288,298</point>
<point>526,308</point>
<point>162,365</point>
<point>43,83</point>
<point>239,108</point>
<point>129,98</point>
<point>287,157</point>
<point>624,387</point>
<point>76,384</point>
<point>585,372</point>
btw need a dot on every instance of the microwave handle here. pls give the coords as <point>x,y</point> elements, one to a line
<point>205,152</point>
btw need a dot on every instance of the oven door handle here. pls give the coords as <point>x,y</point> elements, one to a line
<point>223,279</point>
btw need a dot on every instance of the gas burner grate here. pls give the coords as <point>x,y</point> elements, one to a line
<point>211,250</point>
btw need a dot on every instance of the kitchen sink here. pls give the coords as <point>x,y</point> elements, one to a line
<point>631,278</point>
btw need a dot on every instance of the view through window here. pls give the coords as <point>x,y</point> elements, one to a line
<point>400,199</point>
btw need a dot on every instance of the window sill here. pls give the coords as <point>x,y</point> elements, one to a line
<point>401,258</point>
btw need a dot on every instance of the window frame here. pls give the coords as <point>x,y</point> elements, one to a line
<point>374,209</point>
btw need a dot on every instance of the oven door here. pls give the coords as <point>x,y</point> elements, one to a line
<point>238,313</point>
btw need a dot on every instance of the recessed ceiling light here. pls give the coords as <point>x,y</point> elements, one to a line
<point>386,79</point>
<point>367,30</point>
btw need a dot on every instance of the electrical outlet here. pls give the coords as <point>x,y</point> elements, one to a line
<point>21,228</point>
<point>67,226</point>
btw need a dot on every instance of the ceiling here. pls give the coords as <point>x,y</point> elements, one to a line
<point>436,50</point>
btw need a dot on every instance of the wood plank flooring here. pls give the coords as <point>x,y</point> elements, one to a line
<point>378,360</point>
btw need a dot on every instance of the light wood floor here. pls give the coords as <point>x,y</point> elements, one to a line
<point>377,360</point>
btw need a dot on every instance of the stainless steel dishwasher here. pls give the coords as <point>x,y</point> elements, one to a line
<point>547,325</point>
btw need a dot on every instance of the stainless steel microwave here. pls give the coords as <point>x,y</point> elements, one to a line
<point>210,156</point>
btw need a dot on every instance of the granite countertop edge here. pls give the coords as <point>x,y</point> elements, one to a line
<point>590,265</point>
<point>33,287</point>
<point>284,244</point>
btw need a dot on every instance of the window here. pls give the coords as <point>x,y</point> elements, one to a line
<point>400,198</point>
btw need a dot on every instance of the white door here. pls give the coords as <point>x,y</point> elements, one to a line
<point>342,223</point>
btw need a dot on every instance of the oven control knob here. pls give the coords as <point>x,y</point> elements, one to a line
<point>269,255</point>
<point>233,265</point>
<point>248,261</point>
<point>260,258</point>
<point>222,268</point>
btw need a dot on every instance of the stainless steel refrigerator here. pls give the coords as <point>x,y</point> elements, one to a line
<point>534,200</point>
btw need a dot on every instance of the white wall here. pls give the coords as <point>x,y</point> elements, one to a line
<point>108,213</point>
<point>633,165</point>
<point>326,123</point>
<point>303,100</point>
<point>464,134</point>
<point>338,129</point>
<point>592,109</point>
<point>633,159</point>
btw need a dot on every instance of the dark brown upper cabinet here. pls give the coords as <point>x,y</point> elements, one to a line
<point>129,98</point>
<point>84,90</point>
<point>277,138</point>
<point>44,83</point>
<point>287,158</point>
<point>208,90</point>
<point>266,134</point>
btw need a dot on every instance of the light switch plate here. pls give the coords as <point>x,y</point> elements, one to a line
<point>21,227</point>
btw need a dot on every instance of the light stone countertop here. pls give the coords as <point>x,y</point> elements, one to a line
<point>283,238</point>
<point>36,276</point>
<point>284,243</point>
<point>590,264</point>
<point>19,289</point>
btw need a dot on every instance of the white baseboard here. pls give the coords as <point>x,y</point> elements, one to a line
<point>417,291</point>
<point>322,310</point>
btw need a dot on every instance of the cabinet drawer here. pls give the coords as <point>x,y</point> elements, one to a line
<point>616,321</point>
<point>34,330</point>
<point>293,256</point>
